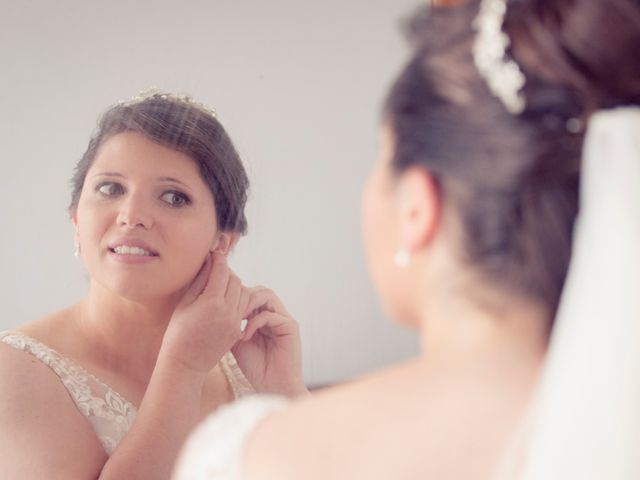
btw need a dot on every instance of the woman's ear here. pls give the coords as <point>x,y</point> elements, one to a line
<point>418,209</point>
<point>225,242</point>
<point>74,221</point>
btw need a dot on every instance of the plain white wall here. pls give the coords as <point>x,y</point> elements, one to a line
<point>298,85</point>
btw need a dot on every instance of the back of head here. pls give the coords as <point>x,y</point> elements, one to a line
<point>512,179</point>
<point>183,125</point>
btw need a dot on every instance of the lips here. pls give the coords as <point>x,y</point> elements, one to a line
<point>134,247</point>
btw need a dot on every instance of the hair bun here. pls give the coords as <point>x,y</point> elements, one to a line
<point>591,47</point>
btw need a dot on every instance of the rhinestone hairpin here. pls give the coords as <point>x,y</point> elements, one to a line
<point>157,93</point>
<point>503,75</point>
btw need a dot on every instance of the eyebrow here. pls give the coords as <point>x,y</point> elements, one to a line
<point>174,180</point>
<point>161,179</point>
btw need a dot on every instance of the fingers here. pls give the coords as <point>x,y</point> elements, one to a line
<point>270,324</point>
<point>216,280</point>
<point>259,305</point>
<point>226,287</point>
<point>264,299</point>
<point>243,301</point>
<point>199,283</point>
<point>218,277</point>
<point>234,292</point>
<point>256,323</point>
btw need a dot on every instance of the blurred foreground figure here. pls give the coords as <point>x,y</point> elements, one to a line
<point>511,120</point>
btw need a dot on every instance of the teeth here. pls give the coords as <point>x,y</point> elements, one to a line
<point>126,250</point>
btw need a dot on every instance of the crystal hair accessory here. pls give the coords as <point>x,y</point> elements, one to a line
<point>503,75</point>
<point>160,94</point>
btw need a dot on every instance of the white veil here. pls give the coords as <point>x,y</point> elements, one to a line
<point>585,419</point>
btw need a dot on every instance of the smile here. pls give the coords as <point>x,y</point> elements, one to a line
<point>127,250</point>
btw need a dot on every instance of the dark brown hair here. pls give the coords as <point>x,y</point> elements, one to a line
<point>185,126</point>
<point>513,179</point>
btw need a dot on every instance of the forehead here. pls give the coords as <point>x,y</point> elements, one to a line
<point>132,154</point>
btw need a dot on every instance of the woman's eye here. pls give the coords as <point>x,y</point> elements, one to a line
<point>175,199</point>
<point>110,189</point>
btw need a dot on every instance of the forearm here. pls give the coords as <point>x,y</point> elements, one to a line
<point>170,409</point>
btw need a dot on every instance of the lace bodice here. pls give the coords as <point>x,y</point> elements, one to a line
<point>215,449</point>
<point>108,412</point>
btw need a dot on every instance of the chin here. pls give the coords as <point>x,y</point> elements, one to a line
<point>143,291</point>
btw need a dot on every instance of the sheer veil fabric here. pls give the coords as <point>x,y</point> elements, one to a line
<point>585,417</point>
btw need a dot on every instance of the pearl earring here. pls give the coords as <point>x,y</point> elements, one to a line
<point>76,253</point>
<point>402,258</point>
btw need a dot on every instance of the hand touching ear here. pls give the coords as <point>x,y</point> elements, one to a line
<point>206,322</point>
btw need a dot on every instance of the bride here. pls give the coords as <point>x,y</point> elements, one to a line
<point>505,114</point>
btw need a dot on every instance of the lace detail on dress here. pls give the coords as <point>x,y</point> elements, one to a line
<point>215,450</point>
<point>239,383</point>
<point>108,412</point>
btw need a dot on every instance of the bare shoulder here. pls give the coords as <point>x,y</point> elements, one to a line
<point>43,435</point>
<point>400,423</point>
<point>321,433</point>
<point>55,330</point>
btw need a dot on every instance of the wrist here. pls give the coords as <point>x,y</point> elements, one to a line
<point>176,367</point>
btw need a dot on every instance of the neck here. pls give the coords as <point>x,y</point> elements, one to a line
<point>455,330</point>
<point>461,320</point>
<point>121,333</point>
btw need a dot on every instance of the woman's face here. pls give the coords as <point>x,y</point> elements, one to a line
<point>145,219</point>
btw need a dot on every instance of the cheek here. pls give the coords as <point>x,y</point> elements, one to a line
<point>91,222</point>
<point>369,220</point>
<point>378,232</point>
<point>381,243</point>
<point>190,243</point>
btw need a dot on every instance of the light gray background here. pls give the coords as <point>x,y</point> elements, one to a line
<point>298,85</point>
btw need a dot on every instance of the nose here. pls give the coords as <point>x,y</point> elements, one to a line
<point>133,213</point>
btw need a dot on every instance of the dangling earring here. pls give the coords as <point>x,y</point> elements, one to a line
<point>402,258</point>
<point>76,253</point>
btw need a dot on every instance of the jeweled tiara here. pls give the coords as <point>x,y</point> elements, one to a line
<point>157,93</point>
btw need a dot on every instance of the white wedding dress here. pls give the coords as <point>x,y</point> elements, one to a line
<point>216,448</point>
